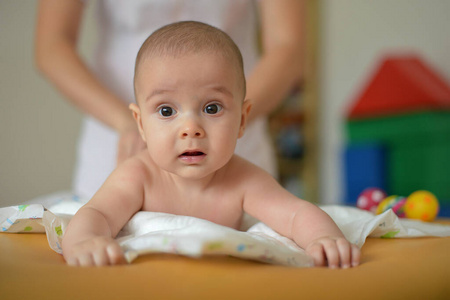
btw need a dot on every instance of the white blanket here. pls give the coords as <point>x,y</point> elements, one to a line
<point>149,232</point>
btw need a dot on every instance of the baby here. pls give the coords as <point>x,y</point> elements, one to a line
<point>190,90</point>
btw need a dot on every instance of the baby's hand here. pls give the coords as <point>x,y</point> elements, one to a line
<point>98,251</point>
<point>334,251</point>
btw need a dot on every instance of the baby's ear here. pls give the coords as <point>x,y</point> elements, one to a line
<point>137,117</point>
<point>246,108</point>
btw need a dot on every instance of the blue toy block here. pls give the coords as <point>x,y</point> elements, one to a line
<point>444,209</point>
<point>365,166</point>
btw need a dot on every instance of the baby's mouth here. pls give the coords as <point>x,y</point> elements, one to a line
<point>192,153</point>
<point>192,157</point>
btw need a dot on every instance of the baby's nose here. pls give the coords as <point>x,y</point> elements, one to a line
<point>191,128</point>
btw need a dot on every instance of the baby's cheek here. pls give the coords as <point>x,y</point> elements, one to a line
<point>159,152</point>
<point>227,143</point>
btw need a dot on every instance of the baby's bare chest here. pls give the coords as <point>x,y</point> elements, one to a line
<point>222,208</point>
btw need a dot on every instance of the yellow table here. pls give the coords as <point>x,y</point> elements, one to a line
<point>416,268</point>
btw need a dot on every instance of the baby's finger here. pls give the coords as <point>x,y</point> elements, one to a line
<point>72,261</point>
<point>85,260</point>
<point>100,257</point>
<point>317,253</point>
<point>115,254</point>
<point>344,252</point>
<point>332,253</point>
<point>356,255</point>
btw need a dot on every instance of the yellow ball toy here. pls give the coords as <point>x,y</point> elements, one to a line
<point>422,205</point>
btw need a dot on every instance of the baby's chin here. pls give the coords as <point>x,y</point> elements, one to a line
<point>192,173</point>
<point>196,172</point>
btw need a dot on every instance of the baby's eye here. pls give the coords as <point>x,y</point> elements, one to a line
<point>212,109</point>
<point>167,111</point>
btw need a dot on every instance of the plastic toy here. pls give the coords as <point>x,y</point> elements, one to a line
<point>396,203</point>
<point>370,198</point>
<point>407,116</point>
<point>422,205</point>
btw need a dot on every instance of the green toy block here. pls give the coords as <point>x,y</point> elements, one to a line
<point>418,150</point>
<point>404,129</point>
<point>421,167</point>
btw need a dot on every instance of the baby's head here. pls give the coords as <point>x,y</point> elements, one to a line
<point>189,37</point>
<point>190,87</point>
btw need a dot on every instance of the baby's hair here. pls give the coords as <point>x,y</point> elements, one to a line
<point>189,37</point>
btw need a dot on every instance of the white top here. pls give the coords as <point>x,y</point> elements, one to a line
<point>123,27</point>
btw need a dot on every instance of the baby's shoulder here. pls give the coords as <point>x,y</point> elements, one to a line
<point>243,169</point>
<point>137,166</point>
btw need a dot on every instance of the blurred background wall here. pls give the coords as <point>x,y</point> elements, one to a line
<point>39,129</point>
<point>355,35</point>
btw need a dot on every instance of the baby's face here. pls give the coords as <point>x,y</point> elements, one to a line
<point>191,112</point>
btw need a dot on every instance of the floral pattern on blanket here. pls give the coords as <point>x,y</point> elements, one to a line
<point>152,232</point>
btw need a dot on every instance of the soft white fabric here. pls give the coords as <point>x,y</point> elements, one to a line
<point>150,232</point>
<point>123,27</point>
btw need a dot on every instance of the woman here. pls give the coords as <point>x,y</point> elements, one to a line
<point>104,90</point>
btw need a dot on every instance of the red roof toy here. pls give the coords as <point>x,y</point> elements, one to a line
<point>401,84</point>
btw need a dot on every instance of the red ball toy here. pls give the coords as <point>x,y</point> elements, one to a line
<point>370,198</point>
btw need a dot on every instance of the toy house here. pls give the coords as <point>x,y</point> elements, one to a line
<point>398,131</point>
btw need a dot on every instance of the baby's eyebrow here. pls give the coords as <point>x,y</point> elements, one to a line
<point>218,88</point>
<point>222,89</point>
<point>157,92</point>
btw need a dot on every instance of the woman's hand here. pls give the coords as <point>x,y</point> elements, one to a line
<point>130,143</point>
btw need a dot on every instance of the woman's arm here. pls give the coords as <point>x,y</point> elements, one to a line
<point>57,58</point>
<point>281,65</point>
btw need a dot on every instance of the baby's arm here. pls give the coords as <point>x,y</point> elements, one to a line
<point>322,239</point>
<point>309,226</point>
<point>89,238</point>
